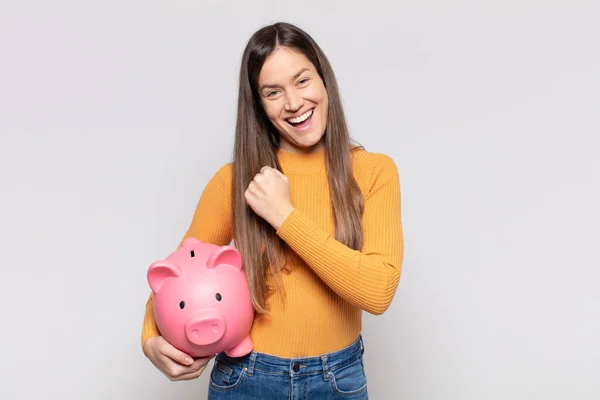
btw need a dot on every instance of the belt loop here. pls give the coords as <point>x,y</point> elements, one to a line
<point>325,368</point>
<point>362,345</point>
<point>253,355</point>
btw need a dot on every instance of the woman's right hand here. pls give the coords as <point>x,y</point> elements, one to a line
<point>175,364</point>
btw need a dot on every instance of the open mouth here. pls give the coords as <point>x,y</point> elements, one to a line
<point>301,121</point>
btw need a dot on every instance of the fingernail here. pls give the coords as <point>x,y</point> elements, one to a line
<point>188,360</point>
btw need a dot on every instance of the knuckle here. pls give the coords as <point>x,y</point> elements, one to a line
<point>171,372</point>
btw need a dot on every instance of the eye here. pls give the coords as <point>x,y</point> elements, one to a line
<point>272,93</point>
<point>182,304</point>
<point>302,81</point>
<point>218,296</point>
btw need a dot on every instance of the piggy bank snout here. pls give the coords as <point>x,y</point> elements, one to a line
<point>206,327</point>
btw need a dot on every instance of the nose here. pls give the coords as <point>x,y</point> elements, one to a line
<point>206,327</point>
<point>293,101</point>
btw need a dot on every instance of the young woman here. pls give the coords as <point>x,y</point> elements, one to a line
<point>317,222</point>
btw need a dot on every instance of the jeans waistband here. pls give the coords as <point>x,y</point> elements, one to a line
<point>266,363</point>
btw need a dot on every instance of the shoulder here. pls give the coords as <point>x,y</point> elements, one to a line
<point>366,163</point>
<point>220,182</point>
<point>375,172</point>
<point>225,172</point>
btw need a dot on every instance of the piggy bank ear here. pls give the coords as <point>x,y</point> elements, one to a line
<point>159,271</point>
<point>225,255</point>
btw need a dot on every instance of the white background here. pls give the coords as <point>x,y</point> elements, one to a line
<point>114,115</point>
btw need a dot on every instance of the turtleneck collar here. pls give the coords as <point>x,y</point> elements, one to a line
<point>301,163</point>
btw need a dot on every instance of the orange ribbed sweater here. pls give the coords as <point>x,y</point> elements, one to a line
<point>328,285</point>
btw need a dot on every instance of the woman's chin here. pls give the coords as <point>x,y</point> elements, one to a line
<point>304,144</point>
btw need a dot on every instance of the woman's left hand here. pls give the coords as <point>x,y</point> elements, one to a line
<point>269,196</point>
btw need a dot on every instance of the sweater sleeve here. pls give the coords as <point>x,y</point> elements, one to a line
<point>367,278</point>
<point>212,223</point>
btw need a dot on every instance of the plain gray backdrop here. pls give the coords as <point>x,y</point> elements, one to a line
<point>114,115</point>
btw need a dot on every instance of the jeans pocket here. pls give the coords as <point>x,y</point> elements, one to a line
<point>349,380</point>
<point>225,377</point>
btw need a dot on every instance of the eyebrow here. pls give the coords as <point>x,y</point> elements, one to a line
<point>294,78</point>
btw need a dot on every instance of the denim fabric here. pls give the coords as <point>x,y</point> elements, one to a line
<point>337,375</point>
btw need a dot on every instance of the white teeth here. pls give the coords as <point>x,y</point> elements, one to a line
<point>301,118</point>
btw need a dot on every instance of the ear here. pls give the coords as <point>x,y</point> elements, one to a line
<point>161,270</point>
<point>228,255</point>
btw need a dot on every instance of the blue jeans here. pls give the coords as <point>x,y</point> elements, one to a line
<point>337,375</point>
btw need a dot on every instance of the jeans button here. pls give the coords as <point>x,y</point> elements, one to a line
<point>296,367</point>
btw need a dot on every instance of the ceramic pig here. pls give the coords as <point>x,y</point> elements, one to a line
<point>202,302</point>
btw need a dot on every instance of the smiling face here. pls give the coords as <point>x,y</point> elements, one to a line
<point>295,100</point>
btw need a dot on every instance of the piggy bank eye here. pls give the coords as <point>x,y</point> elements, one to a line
<point>182,304</point>
<point>218,296</point>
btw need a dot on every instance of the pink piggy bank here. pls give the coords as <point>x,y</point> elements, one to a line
<point>202,302</point>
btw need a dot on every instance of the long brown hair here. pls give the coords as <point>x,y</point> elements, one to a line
<point>256,145</point>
